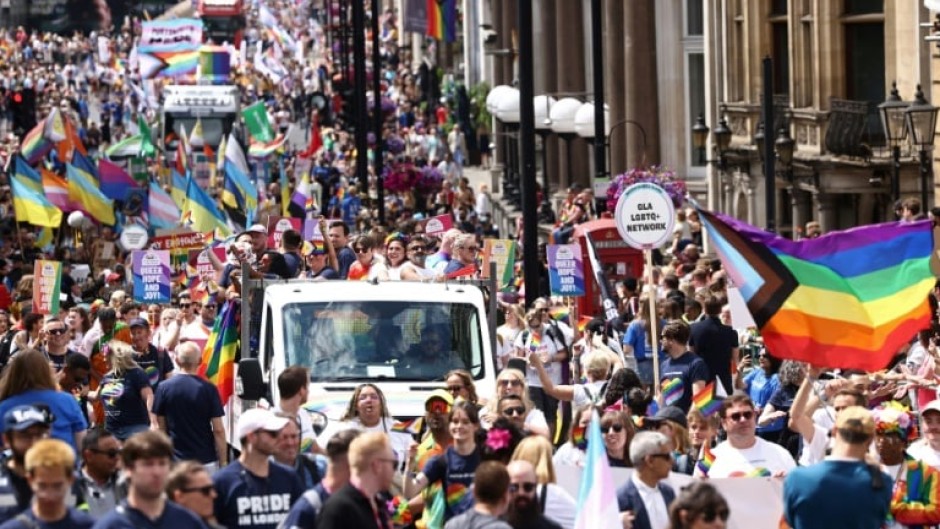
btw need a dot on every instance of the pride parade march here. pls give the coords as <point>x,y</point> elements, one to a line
<point>292,264</point>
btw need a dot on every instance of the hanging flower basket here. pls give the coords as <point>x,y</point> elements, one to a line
<point>401,177</point>
<point>655,174</point>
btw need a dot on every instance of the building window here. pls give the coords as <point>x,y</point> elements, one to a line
<point>694,18</point>
<point>864,7</point>
<point>865,72</point>
<point>695,97</point>
<point>806,81</point>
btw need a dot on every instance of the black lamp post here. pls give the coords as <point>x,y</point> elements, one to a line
<point>921,119</point>
<point>759,140</point>
<point>700,137</point>
<point>721,135</point>
<point>892,120</point>
<point>783,146</point>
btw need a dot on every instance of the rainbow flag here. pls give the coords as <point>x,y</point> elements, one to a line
<point>848,299</point>
<point>758,472</point>
<point>559,314</point>
<point>412,426</point>
<point>57,190</point>
<point>579,437</point>
<point>218,356</point>
<point>83,190</point>
<point>582,323</point>
<point>215,65</point>
<point>706,460</point>
<point>705,401</point>
<point>442,20</point>
<point>259,149</point>
<point>672,391</point>
<point>597,497</point>
<point>35,145</point>
<point>916,504</point>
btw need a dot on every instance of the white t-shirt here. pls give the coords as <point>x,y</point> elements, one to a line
<point>569,454</point>
<point>732,462</point>
<point>921,450</point>
<point>585,394</point>
<point>307,435</point>
<point>546,346</point>
<point>815,451</point>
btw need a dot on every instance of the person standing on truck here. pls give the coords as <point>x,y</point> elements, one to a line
<point>253,491</point>
<point>338,233</point>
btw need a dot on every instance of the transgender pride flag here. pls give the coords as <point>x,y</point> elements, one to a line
<point>597,498</point>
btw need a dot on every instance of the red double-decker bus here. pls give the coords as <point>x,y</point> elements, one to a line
<point>223,20</point>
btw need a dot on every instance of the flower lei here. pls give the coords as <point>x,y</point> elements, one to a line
<point>497,439</point>
<point>655,174</point>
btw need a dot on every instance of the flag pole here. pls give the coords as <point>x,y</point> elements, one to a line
<point>654,323</point>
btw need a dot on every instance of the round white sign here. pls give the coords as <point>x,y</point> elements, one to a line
<point>134,237</point>
<point>645,216</point>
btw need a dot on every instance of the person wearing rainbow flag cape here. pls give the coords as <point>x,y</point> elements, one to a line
<point>916,495</point>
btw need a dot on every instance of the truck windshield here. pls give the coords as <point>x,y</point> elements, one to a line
<point>369,340</point>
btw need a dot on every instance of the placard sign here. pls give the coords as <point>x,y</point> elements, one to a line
<point>200,262</point>
<point>565,270</point>
<point>151,276</point>
<point>47,284</point>
<point>503,253</point>
<point>439,224</point>
<point>645,216</point>
<point>277,226</point>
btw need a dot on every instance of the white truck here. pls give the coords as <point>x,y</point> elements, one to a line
<point>351,332</point>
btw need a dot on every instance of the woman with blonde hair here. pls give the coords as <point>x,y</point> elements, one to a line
<point>507,332</point>
<point>126,394</point>
<point>556,503</point>
<point>512,382</point>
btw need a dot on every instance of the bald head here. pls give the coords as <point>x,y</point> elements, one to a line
<point>521,472</point>
<point>188,356</point>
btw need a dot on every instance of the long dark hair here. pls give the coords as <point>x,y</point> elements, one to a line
<point>694,500</point>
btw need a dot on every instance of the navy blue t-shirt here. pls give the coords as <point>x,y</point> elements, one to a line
<point>346,257</point>
<point>74,519</point>
<point>189,404</point>
<point>305,510</point>
<point>127,517</point>
<point>246,501</point>
<point>121,398</point>
<point>155,364</point>
<point>455,472</point>
<point>677,376</point>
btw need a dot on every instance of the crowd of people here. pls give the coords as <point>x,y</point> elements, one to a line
<point>108,423</point>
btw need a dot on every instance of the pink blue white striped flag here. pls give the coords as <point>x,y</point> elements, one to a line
<point>597,498</point>
<point>163,211</point>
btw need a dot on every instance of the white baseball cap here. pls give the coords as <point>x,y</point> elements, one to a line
<point>933,405</point>
<point>256,419</point>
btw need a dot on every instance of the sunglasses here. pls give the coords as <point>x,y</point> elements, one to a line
<point>518,411</point>
<point>454,389</point>
<point>185,305</point>
<point>527,486</point>
<point>508,383</point>
<point>56,332</point>
<point>709,516</point>
<point>205,490</point>
<point>739,415</point>
<point>114,452</point>
<point>361,250</point>
<point>438,406</point>
<point>617,428</point>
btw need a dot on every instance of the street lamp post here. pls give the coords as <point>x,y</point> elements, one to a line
<point>921,119</point>
<point>895,128</point>
<point>783,146</point>
<point>543,127</point>
<point>722,137</point>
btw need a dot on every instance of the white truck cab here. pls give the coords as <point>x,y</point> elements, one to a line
<point>402,336</point>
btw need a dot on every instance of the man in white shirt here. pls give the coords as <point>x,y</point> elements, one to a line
<point>804,412</point>
<point>927,448</point>
<point>644,500</point>
<point>744,454</point>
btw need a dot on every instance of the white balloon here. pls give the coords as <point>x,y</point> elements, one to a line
<point>76,219</point>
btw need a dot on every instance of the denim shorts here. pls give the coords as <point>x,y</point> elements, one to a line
<point>644,368</point>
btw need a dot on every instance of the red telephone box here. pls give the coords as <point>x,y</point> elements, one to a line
<point>618,259</point>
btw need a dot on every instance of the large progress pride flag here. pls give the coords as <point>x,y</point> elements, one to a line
<point>848,299</point>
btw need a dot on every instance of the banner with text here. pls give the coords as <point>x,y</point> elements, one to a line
<point>151,276</point>
<point>160,32</point>
<point>277,226</point>
<point>47,285</point>
<point>565,270</point>
<point>179,242</point>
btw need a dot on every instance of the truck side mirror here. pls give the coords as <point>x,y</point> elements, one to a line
<point>250,382</point>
